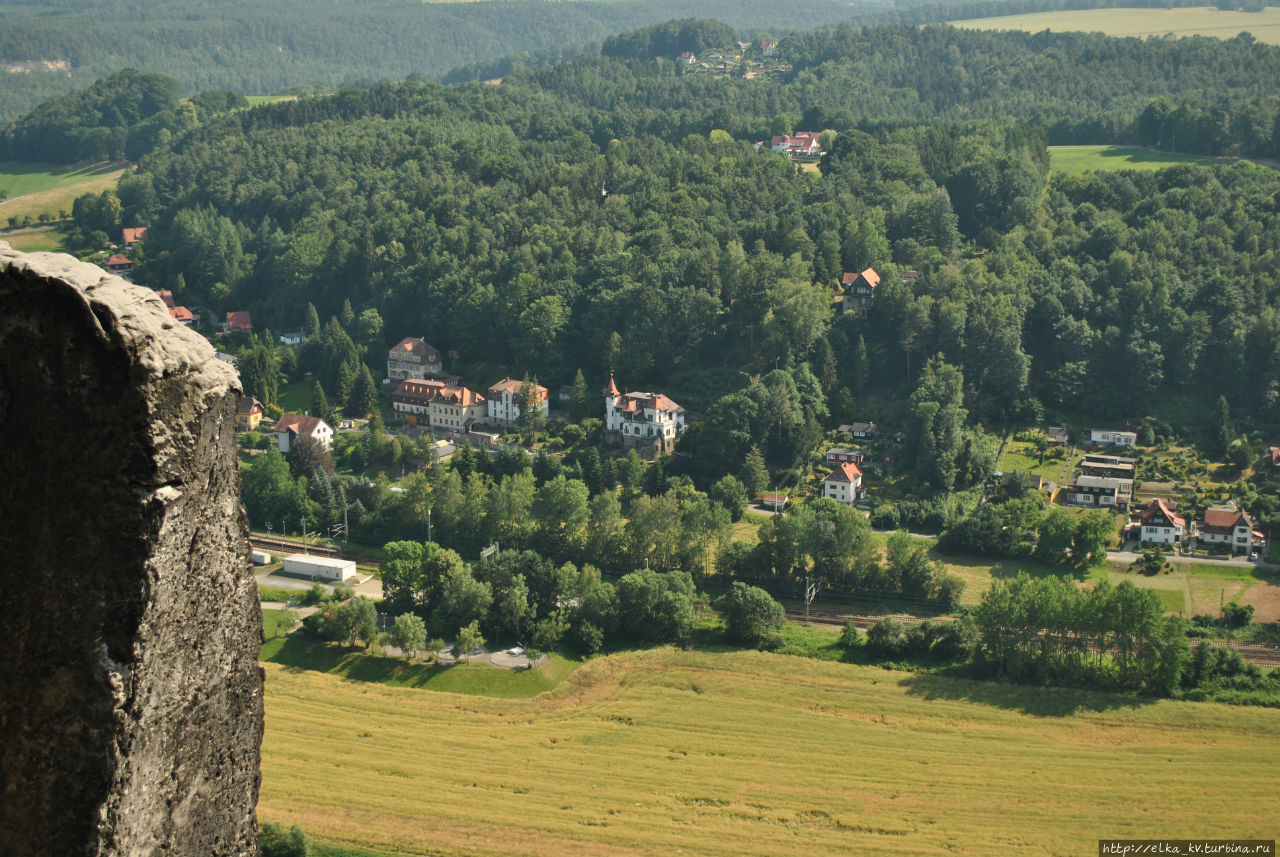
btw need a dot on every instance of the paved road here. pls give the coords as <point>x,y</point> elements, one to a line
<point>1239,561</point>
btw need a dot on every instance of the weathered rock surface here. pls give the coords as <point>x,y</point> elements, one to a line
<point>130,694</point>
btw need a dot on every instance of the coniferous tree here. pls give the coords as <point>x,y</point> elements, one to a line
<point>580,400</point>
<point>531,418</point>
<point>312,325</point>
<point>364,394</point>
<point>754,475</point>
<point>320,403</point>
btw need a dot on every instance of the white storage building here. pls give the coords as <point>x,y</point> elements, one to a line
<point>320,567</point>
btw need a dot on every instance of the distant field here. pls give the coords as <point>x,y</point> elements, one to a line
<point>1191,21</point>
<point>48,239</point>
<point>741,753</point>
<point>1190,588</point>
<point>255,100</point>
<point>1076,160</point>
<point>35,189</point>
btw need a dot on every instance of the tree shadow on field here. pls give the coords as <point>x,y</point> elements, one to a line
<point>1037,701</point>
<point>297,653</point>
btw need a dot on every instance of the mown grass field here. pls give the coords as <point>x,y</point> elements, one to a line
<point>298,652</point>
<point>1077,160</point>
<point>46,239</point>
<point>1190,21</point>
<point>36,189</point>
<point>743,753</point>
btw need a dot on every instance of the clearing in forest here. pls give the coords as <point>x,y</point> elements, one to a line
<point>35,189</point>
<point>1187,21</point>
<point>1077,160</point>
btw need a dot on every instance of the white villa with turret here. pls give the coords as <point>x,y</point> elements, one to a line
<point>641,419</point>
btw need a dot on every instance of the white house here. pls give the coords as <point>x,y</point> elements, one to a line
<point>291,426</point>
<point>636,419</point>
<point>1227,525</point>
<point>1100,491</point>
<point>1161,525</point>
<point>320,567</point>
<point>412,358</point>
<point>504,401</point>
<point>803,145</point>
<point>1111,436</point>
<point>844,485</point>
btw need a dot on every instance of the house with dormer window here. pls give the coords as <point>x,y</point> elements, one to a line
<point>642,419</point>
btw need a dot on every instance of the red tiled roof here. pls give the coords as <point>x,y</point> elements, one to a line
<point>650,401</point>
<point>846,472</point>
<point>612,389</point>
<point>181,313</point>
<point>511,385</point>
<point>1158,505</point>
<point>118,260</point>
<point>166,296</point>
<point>299,423</point>
<point>413,346</point>
<point>135,234</point>
<point>1222,518</point>
<point>239,320</point>
<point>438,391</point>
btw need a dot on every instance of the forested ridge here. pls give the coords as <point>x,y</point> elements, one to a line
<point>587,216</point>
<point>612,215</point>
<point>267,47</point>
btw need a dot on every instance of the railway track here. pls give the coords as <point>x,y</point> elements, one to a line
<point>283,546</point>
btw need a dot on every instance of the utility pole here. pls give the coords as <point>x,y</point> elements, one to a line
<point>810,593</point>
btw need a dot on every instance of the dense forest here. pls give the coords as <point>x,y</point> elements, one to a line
<point>619,214</point>
<point>49,48</point>
<point>613,213</point>
<point>269,47</point>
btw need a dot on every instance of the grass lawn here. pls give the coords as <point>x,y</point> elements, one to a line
<point>46,239</point>
<point>270,619</point>
<point>738,754</point>
<point>1022,456</point>
<point>298,652</point>
<point>979,572</point>
<point>1172,600</point>
<point>1222,571</point>
<point>295,397</point>
<point>1189,21</point>
<point>1085,159</point>
<point>36,189</point>
<point>748,529</point>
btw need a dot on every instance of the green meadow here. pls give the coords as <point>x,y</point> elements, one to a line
<point>665,752</point>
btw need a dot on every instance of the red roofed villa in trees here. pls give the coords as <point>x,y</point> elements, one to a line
<point>641,419</point>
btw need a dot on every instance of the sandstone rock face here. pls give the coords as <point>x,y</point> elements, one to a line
<point>130,693</point>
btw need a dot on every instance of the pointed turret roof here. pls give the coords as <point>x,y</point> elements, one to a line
<point>612,389</point>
